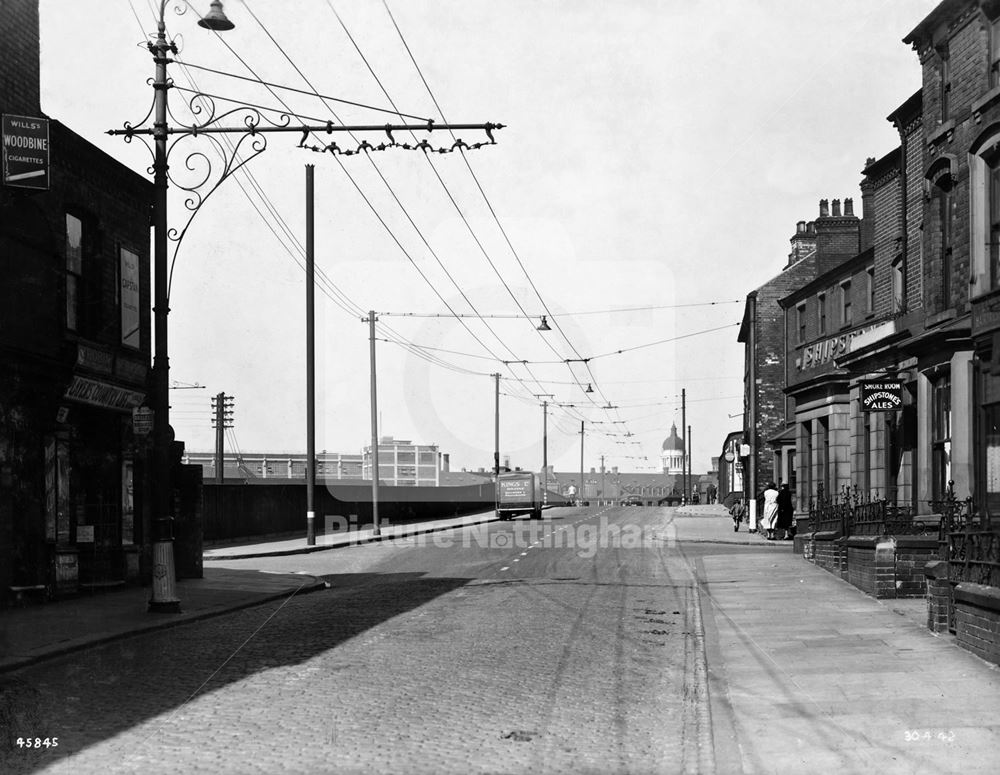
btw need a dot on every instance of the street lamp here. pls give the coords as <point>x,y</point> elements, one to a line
<point>251,131</point>
<point>164,594</point>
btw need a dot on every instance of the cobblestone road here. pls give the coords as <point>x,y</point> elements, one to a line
<point>506,656</point>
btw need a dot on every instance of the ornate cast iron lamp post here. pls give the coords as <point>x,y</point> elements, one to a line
<point>251,125</point>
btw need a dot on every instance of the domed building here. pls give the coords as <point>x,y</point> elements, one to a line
<point>672,456</point>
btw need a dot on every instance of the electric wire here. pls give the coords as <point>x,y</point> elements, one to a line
<point>490,206</point>
<point>256,80</point>
<point>330,289</point>
<point>392,192</point>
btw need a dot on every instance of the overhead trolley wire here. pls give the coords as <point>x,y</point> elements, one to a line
<point>391,191</point>
<point>329,288</point>
<point>489,205</point>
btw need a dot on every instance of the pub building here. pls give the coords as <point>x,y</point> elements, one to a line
<point>74,344</point>
<point>842,332</point>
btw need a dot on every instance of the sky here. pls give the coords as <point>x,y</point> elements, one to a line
<point>655,159</point>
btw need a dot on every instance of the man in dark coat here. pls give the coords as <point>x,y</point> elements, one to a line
<point>786,513</point>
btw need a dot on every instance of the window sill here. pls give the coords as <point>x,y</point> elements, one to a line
<point>985,102</point>
<point>943,132</point>
<point>940,317</point>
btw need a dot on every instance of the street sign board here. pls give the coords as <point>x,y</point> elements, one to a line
<point>881,396</point>
<point>25,151</point>
<point>142,420</point>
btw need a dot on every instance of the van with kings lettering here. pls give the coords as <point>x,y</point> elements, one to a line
<point>518,493</point>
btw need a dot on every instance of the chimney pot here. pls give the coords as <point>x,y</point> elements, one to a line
<point>849,207</point>
<point>800,227</point>
<point>824,208</point>
<point>836,208</point>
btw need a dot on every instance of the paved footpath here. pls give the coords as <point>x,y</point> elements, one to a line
<point>38,632</point>
<point>818,677</point>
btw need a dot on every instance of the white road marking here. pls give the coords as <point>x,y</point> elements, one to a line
<point>506,567</point>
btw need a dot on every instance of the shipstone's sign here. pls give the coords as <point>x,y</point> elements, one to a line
<point>25,151</point>
<point>819,353</point>
<point>881,396</point>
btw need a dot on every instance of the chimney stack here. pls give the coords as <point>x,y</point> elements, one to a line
<point>446,462</point>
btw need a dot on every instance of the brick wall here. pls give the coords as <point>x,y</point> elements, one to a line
<point>912,556</point>
<point>939,595</point>
<point>886,214</point>
<point>871,566</point>
<point>951,134</point>
<point>827,552</point>
<point>19,64</point>
<point>977,620</point>
<point>915,153</point>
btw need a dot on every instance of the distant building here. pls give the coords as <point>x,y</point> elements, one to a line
<point>612,485</point>
<point>278,465</point>
<point>401,463</point>
<point>672,455</point>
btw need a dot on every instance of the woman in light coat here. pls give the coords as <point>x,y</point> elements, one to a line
<point>770,512</point>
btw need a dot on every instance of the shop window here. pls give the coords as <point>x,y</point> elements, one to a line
<point>821,312</point>
<point>991,442</point>
<point>74,270</point>
<point>867,450</point>
<point>823,450</point>
<point>128,297</point>
<point>941,435</point>
<point>807,455</point>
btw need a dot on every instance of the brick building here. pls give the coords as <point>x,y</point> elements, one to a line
<point>74,345</point>
<point>816,247</point>
<point>917,311</point>
<point>958,45</point>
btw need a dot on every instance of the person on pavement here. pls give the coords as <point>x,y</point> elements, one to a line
<point>737,512</point>
<point>786,513</point>
<point>770,511</point>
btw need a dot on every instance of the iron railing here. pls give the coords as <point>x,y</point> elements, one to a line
<point>970,541</point>
<point>854,513</point>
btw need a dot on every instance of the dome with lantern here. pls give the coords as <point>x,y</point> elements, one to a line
<point>672,455</point>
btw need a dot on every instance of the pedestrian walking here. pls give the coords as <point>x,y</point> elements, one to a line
<point>786,513</point>
<point>737,512</point>
<point>770,511</point>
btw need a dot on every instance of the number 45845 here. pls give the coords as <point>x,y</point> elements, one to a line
<point>38,742</point>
